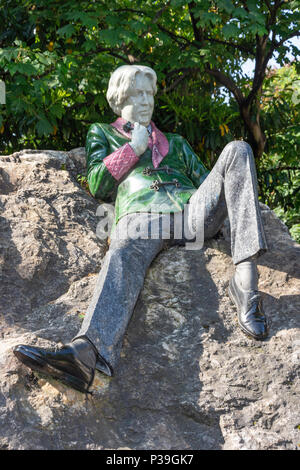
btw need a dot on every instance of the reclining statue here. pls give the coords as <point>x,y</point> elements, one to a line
<point>154,178</point>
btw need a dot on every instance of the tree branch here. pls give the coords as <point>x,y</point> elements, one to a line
<point>244,2</point>
<point>110,52</point>
<point>132,10</point>
<point>198,32</point>
<point>261,70</point>
<point>292,35</point>
<point>228,82</point>
<point>185,74</point>
<point>262,58</point>
<point>199,37</point>
<point>230,44</point>
<point>268,5</point>
<point>176,37</point>
<point>160,12</point>
<point>281,168</point>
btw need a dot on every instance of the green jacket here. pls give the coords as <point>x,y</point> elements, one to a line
<point>132,192</point>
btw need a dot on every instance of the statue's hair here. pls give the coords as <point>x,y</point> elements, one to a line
<point>122,80</point>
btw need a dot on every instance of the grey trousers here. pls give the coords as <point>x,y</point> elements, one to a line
<point>230,189</point>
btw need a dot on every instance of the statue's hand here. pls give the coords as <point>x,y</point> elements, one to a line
<point>139,139</point>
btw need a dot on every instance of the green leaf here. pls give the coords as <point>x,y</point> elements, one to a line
<point>179,3</point>
<point>66,31</point>
<point>109,36</point>
<point>230,30</point>
<point>204,52</point>
<point>206,18</point>
<point>89,45</point>
<point>45,58</point>
<point>26,69</point>
<point>83,17</point>
<point>227,5</point>
<point>8,54</point>
<point>240,13</point>
<point>44,127</point>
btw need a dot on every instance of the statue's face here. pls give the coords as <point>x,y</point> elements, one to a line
<point>138,106</point>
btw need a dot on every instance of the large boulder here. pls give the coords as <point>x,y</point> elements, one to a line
<point>188,377</point>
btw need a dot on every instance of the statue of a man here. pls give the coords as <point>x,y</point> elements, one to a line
<point>153,177</point>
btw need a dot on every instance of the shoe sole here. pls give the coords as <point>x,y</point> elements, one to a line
<point>36,363</point>
<point>244,330</point>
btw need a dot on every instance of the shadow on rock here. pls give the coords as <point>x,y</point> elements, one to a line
<point>153,399</point>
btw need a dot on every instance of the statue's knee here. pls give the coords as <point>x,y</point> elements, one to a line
<point>239,149</point>
<point>239,145</point>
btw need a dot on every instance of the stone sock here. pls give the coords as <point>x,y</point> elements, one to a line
<point>85,351</point>
<point>246,275</point>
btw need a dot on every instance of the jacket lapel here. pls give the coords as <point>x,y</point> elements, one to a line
<point>158,142</point>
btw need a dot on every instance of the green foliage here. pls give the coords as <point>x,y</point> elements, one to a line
<point>82,180</point>
<point>56,58</point>
<point>279,170</point>
<point>197,110</point>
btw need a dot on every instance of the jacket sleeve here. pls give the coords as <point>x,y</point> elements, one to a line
<point>196,171</point>
<point>105,169</point>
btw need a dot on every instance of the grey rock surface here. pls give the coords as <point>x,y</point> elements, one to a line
<point>188,377</point>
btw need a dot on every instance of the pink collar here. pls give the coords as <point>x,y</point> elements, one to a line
<point>158,142</point>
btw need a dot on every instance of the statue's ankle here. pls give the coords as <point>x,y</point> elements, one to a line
<point>246,275</point>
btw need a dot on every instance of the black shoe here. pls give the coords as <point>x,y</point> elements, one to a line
<point>73,365</point>
<point>251,316</point>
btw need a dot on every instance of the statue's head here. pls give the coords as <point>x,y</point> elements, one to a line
<point>131,91</point>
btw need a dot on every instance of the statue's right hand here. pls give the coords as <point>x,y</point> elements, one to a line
<point>139,139</point>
